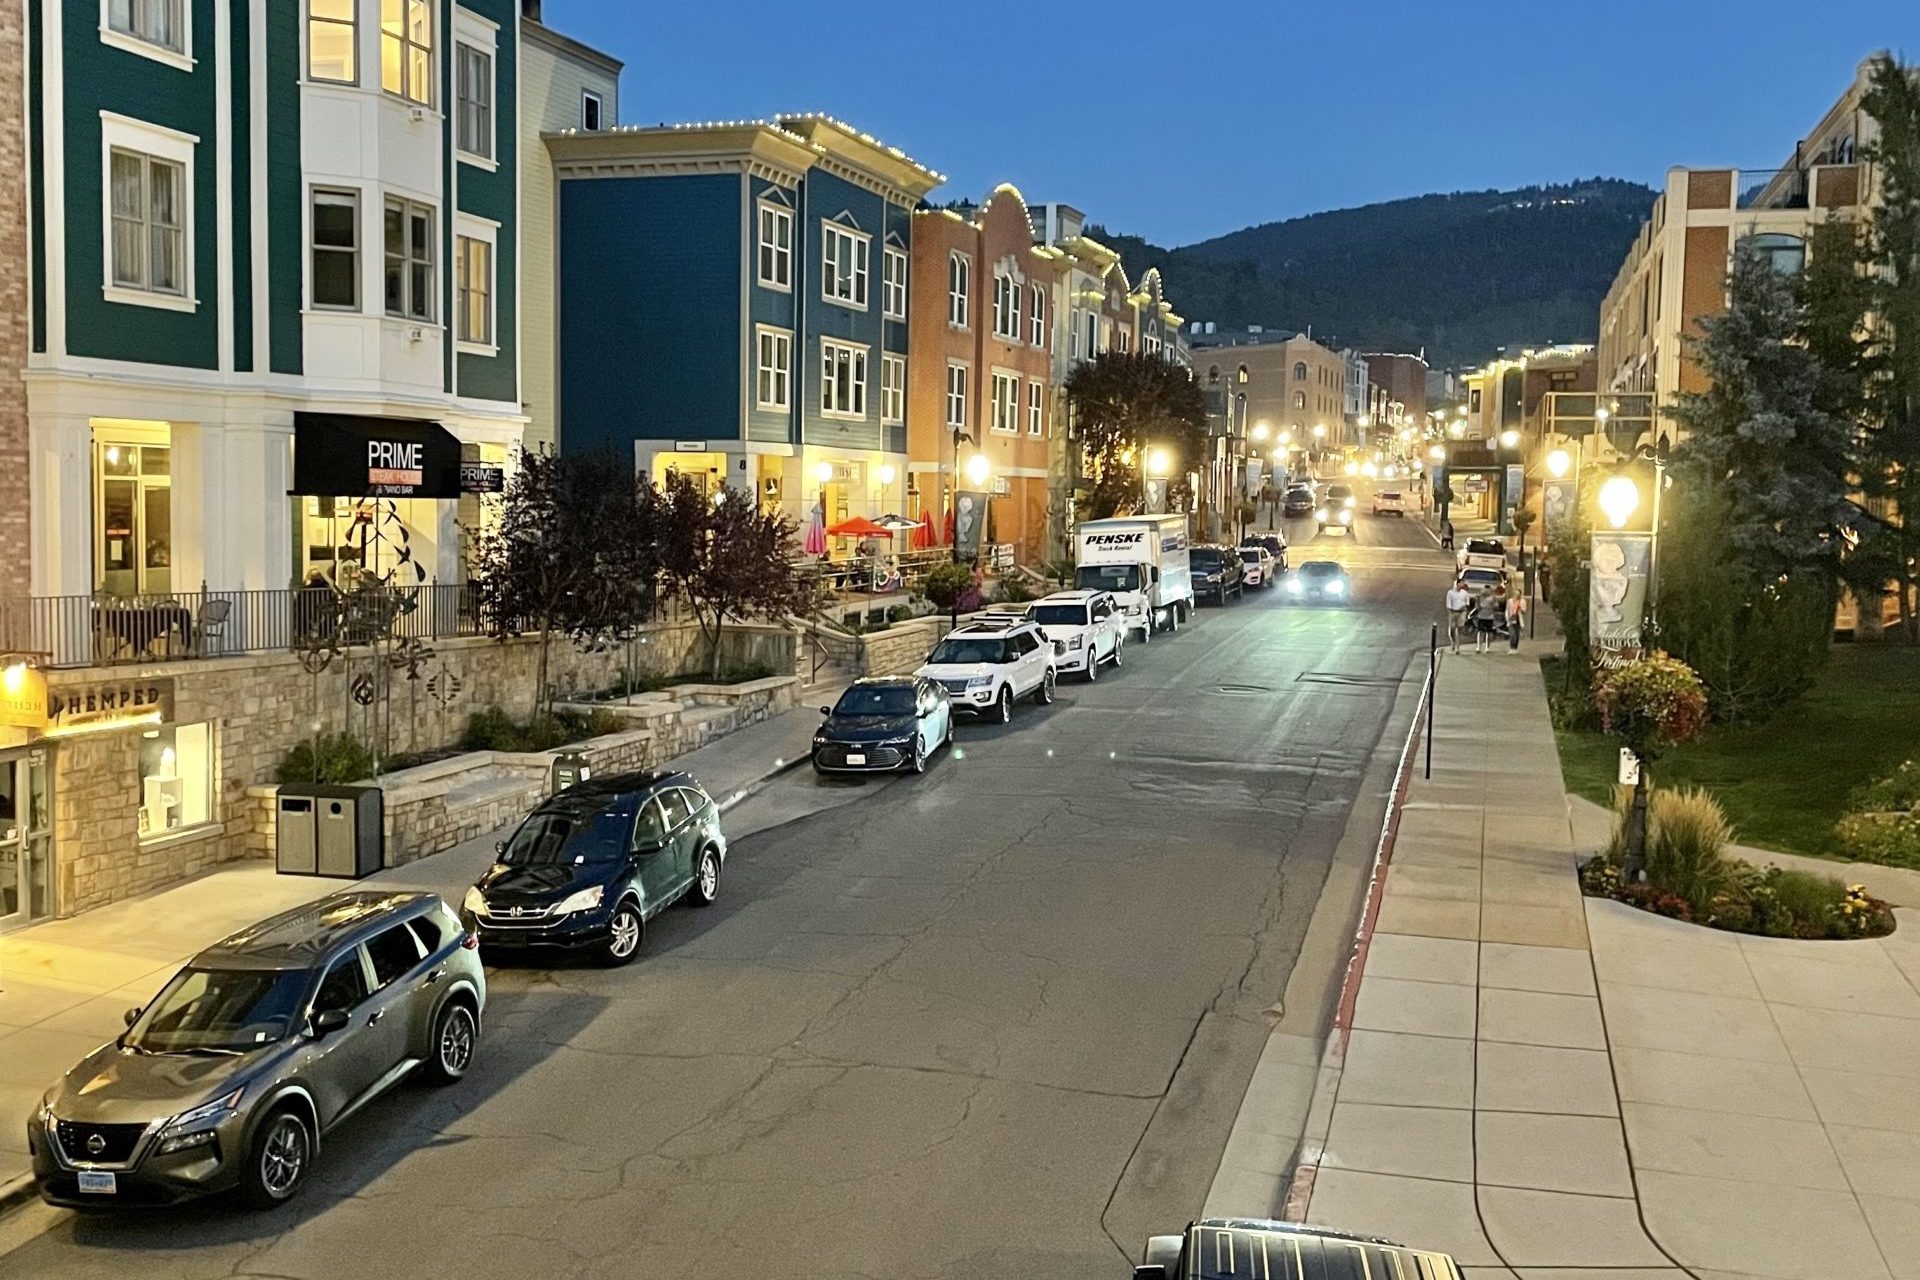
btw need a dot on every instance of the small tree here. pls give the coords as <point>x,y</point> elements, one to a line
<point>1128,404</point>
<point>728,559</point>
<point>1649,704</point>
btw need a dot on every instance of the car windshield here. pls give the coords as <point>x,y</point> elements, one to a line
<point>1339,491</point>
<point>876,700</point>
<point>1485,546</point>
<point>1060,615</point>
<point>558,837</point>
<point>1320,569</point>
<point>1107,577</point>
<point>1250,555</point>
<point>1206,557</point>
<point>966,651</point>
<point>220,1011</point>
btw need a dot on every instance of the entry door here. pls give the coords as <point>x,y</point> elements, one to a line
<point>26,839</point>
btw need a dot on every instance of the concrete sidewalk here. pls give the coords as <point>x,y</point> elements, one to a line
<point>65,984</point>
<point>1548,1086</point>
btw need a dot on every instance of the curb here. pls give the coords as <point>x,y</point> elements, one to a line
<point>753,788</point>
<point>1306,1169</point>
<point>16,1193</point>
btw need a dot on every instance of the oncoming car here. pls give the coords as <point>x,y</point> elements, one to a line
<point>1298,502</point>
<point>1320,580</point>
<point>881,723</point>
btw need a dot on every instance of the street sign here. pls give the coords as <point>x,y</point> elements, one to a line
<point>1629,775</point>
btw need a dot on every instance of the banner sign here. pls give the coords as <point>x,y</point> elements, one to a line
<point>1253,477</point>
<point>969,523</point>
<point>1156,496</point>
<point>1556,504</point>
<point>1516,485</point>
<point>478,477</point>
<point>338,455</point>
<point>1617,596</point>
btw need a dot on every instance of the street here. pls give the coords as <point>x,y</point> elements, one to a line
<point>993,1020</point>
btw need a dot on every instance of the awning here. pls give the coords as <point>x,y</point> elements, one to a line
<point>339,455</point>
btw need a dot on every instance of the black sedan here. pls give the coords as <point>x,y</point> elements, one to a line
<point>591,865</point>
<point>882,723</point>
<point>1298,502</point>
<point>1218,574</point>
<point>1320,580</point>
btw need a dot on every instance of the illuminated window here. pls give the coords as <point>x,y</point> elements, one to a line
<point>843,379</point>
<point>331,33</point>
<point>177,768</point>
<point>406,49</point>
<point>843,265</point>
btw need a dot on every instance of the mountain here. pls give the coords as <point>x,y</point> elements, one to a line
<point>1457,274</point>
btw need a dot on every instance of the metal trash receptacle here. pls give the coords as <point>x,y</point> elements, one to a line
<point>294,846</point>
<point>569,767</point>
<point>325,830</point>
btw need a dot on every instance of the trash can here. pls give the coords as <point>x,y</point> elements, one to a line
<point>570,767</point>
<point>330,831</point>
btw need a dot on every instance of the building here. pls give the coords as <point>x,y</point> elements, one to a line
<point>564,84</point>
<point>1675,272</point>
<point>272,265</point>
<point>733,307</point>
<point>1404,378</point>
<point>983,315</point>
<point>15,299</point>
<point>1517,408</point>
<point>1295,388</point>
<point>1357,402</point>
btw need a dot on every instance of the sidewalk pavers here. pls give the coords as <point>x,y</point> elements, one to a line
<point>65,984</point>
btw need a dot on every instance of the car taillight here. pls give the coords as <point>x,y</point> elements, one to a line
<point>470,940</point>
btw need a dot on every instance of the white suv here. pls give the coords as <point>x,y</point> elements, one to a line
<point>1090,624</point>
<point>985,665</point>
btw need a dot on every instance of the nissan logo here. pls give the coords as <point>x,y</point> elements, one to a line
<point>96,1143</point>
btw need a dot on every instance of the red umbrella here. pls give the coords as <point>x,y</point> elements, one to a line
<point>924,536</point>
<point>859,527</point>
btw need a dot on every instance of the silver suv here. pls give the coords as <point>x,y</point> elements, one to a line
<point>269,1038</point>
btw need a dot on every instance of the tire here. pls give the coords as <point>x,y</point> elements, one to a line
<point>1003,705</point>
<point>278,1160</point>
<point>450,1052</point>
<point>1043,696</point>
<point>705,889</point>
<point>1118,645</point>
<point>626,932</point>
<point>1093,667</point>
<point>918,761</point>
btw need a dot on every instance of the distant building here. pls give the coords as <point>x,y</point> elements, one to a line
<point>1292,383</point>
<point>1405,379</point>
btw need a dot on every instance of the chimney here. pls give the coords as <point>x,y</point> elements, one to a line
<point>530,10</point>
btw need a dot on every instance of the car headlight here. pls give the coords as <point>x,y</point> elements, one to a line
<point>195,1127</point>
<point>585,900</point>
<point>1336,587</point>
<point>475,901</point>
<point>1293,586</point>
<point>1321,514</point>
<point>1346,517</point>
<point>1351,502</point>
<point>979,682</point>
<point>1135,610</point>
<point>1073,642</point>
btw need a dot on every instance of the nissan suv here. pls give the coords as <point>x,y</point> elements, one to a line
<point>232,1075</point>
<point>986,666</point>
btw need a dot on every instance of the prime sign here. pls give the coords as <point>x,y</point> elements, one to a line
<point>398,463</point>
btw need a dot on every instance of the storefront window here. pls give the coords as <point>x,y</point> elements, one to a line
<point>176,778</point>
<point>134,539</point>
<point>350,542</point>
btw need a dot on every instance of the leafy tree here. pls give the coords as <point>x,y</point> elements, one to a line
<point>1649,704</point>
<point>1127,404</point>
<point>729,559</point>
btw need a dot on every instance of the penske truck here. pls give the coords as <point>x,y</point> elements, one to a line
<point>1143,561</point>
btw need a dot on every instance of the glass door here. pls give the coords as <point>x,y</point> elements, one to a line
<point>134,540</point>
<point>26,838</point>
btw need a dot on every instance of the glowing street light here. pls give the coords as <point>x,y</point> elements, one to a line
<point>1558,462</point>
<point>1601,415</point>
<point>1509,438</point>
<point>1286,437</point>
<point>1438,453</point>
<point>824,473</point>
<point>1353,468</point>
<point>1259,431</point>
<point>1158,463</point>
<point>1458,430</point>
<point>1369,470</point>
<point>1319,431</point>
<point>886,474</point>
<point>978,469</point>
<point>1619,498</point>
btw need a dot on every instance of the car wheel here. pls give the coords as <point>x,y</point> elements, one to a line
<point>1093,667</point>
<point>1043,696</point>
<point>278,1161</point>
<point>917,761</point>
<point>625,932</point>
<point>706,879</point>
<point>1003,705</point>
<point>1118,644</point>
<point>450,1052</point>
<point>1173,619</point>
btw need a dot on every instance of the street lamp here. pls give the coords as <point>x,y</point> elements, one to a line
<point>824,473</point>
<point>1509,438</point>
<point>1157,467</point>
<point>1557,462</point>
<point>1259,431</point>
<point>1438,453</point>
<point>1619,499</point>
<point>1286,437</point>
<point>978,469</point>
<point>886,475</point>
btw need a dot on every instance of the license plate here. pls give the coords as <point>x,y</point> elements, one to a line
<point>97,1184</point>
<point>854,757</point>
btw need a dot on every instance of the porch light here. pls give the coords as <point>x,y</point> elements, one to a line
<point>824,473</point>
<point>886,474</point>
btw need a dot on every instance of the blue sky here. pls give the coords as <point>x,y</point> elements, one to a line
<point>1179,121</point>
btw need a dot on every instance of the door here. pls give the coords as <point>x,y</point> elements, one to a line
<point>26,838</point>
<point>653,855</point>
<point>398,1004</point>
<point>1036,655</point>
<point>343,1064</point>
<point>678,807</point>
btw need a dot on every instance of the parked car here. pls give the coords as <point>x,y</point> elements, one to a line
<point>1483,553</point>
<point>1223,1248</point>
<point>1477,580</point>
<point>1257,567</point>
<point>882,723</point>
<point>590,866</point>
<point>985,666</point>
<point>1217,573</point>
<point>1298,502</point>
<point>1389,502</point>
<point>1320,580</point>
<point>228,1079</point>
<point>1275,543</point>
<point>1090,625</point>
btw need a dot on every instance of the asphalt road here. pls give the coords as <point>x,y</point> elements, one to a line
<point>996,1020</point>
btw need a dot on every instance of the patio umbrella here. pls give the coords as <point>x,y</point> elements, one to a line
<point>815,543</point>
<point>859,527</point>
<point>896,524</point>
<point>924,536</point>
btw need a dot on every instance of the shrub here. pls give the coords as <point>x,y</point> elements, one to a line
<point>1687,836</point>
<point>1898,791</point>
<point>945,582</point>
<point>1014,590</point>
<point>494,730</point>
<point>1891,839</point>
<point>1651,703</point>
<point>899,613</point>
<point>333,758</point>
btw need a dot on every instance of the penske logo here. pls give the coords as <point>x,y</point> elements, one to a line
<point>1115,539</point>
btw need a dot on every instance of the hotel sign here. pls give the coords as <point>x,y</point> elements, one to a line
<point>106,704</point>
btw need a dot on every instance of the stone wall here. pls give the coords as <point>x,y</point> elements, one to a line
<point>262,705</point>
<point>902,647</point>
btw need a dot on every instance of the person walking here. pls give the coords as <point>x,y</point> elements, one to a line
<point>1516,614</point>
<point>1545,576</point>
<point>1487,611</point>
<point>1459,602</point>
<point>1446,534</point>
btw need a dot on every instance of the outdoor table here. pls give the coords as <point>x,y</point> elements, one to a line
<point>138,627</point>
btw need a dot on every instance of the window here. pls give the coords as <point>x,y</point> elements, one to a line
<point>893,284</point>
<point>590,109</point>
<point>1006,307</point>
<point>1006,402</point>
<point>331,36</point>
<point>1038,313</point>
<point>775,368</point>
<point>674,804</point>
<point>336,250</point>
<point>843,379</point>
<point>776,246</point>
<point>148,198</point>
<point>843,265</point>
<point>473,282</point>
<point>161,23</point>
<point>176,778</point>
<point>406,49</point>
<point>409,268</point>
<point>1036,416</point>
<point>344,987</point>
<point>393,952</point>
<point>1787,255</point>
<point>957,379</point>
<point>429,931</point>
<point>893,388</point>
<point>1093,335</point>
<point>1300,371</point>
<point>473,101</point>
<point>1299,399</point>
<point>959,282</point>
<point>1073,336</point>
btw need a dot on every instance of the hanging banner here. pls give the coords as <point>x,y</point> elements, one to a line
<point>1156,496</point>
<point>969,525</point>
<point>1556,504</point>
<point>1516,486</point>
<point>1617,597</point>
<point>1253,477</point>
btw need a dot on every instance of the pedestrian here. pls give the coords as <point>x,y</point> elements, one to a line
<point>1516,612</point>
<point>1446,534</point>
<point>1487,611</point>
<point>1459,601</point>
<point>1545,575</point>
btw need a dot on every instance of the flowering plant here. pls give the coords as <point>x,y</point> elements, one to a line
<point>1651,703</point>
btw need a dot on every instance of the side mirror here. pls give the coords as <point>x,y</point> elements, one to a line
<point>499,846</point>
<point>826,711</point>
<point>328,1021</point>
<point>133,1015</point>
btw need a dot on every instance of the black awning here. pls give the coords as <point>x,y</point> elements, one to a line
<point>341,455</point>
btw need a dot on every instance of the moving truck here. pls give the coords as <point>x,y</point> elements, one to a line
<point>1143,561</point>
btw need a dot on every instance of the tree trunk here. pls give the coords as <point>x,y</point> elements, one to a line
<point>719,623</point>
<point>540,706</point>
<point>1636,833</point>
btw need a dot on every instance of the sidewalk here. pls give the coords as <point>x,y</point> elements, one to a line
<point>65,984</point>
<point>1553,1088</point>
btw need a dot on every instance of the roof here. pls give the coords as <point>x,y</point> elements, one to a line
<point>1256,1249</point>
<point>989,627</point>
<point>298,938</point>
<point>885,682</point>
<point>540,33</point>
<point>1070,597</point>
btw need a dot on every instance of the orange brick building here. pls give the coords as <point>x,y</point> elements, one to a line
<point>982,326</point>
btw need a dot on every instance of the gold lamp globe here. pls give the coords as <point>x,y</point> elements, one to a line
<point>978,468</point>
<point>1557,462</point>
<point>1158,463</point>
<point>1619,498</point>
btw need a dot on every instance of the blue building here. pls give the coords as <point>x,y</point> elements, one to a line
<point>733,306</point>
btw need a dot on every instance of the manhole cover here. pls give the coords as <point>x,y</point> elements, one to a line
<point>1242,690</point>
